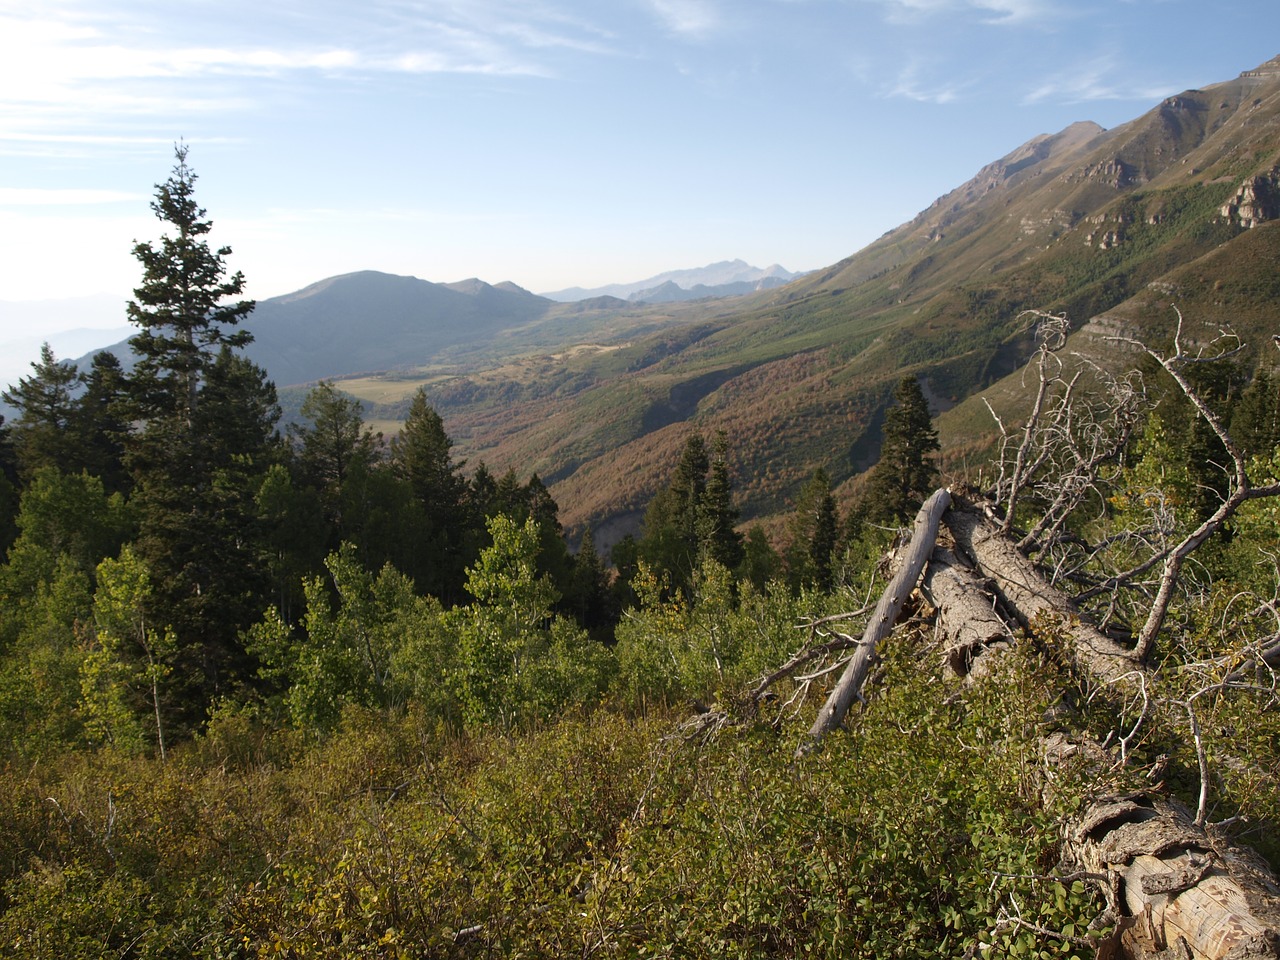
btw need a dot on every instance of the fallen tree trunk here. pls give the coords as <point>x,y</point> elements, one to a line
<point>1028,595</point>
<point>849,688</point>
<point>1177,890</point>
<point>966,610</point>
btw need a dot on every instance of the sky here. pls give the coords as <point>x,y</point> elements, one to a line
<point>551,143</point>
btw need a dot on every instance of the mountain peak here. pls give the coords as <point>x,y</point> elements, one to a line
<point>358,279</point>
<point>470,286</point>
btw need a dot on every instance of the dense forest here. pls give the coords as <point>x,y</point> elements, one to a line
<point>307,693</point>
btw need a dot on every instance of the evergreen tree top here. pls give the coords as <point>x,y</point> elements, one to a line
<point>181,304</point>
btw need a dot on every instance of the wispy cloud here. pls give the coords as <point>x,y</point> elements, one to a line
<point>67,66</point>
<point>1016,11</point>
<point>1093,80</point>
<point>987,11</point>
<point>687,17</point>
<point>911,84</point>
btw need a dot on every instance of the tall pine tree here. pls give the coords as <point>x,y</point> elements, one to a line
<point>100,423</point>
<point>693,518</point>
<point>814,531</point>
<point>180,304</point>
<point>203,421</point>
<point>420,457</point>
<point>717,536</point>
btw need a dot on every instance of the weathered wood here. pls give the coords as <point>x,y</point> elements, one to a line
<point>1028,595</point>
<point>965,609</point>
<point>1179,891</point>
<point>883,618</point>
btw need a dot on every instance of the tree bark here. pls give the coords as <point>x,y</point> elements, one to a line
<point>1178,890</point>
<point>966,612</point>
<point>1028,595</point>
<point>849,688</point>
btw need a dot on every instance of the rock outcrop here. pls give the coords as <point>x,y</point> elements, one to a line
<point>1257,200</point>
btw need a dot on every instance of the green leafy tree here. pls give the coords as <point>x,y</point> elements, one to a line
<point>67,525</point>
<point>348,651</point>
<point>517,660</point>
<point>498,633</point>
<point>905,474</point>
<point>40,660</point>
<point>131,658</point>
<point>68,514</point>
<point>532,500</point>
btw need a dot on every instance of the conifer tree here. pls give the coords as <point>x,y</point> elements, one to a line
<point>334,448</point>
<point>588,597</point>
<point>180,304</point>
<point>100,423</point>
<point>905,475</point>
<point>687,488</point>
<point>480,493</point>
<point>202,419</point>
<point>46,404</point>
<point>693,518</point>
<point>670,540</point>
<point>420,457</point>
<point>1255,421</point>
<point>814,531</point>
<point>8,487</point>
<point>717,515</point>
<point>760,562</point>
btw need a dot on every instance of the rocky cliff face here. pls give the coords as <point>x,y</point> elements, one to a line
<point>1257,200</point>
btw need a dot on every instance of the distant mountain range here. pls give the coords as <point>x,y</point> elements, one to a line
<point>368,321</point>
<point>726,278</point>
<point>79,324</point>
<point>371,322</point>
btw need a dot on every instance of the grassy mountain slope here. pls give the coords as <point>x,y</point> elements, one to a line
<point>1083,221</point>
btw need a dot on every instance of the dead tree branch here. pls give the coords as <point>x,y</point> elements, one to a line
<point>1241,489</point>
<point>882,620</point>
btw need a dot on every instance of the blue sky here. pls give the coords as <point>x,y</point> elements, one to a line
<point>548,142</point>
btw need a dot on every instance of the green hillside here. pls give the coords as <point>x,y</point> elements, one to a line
<point>1087,222</point>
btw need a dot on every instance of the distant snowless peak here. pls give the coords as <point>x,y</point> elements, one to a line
<point>712,275</point>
